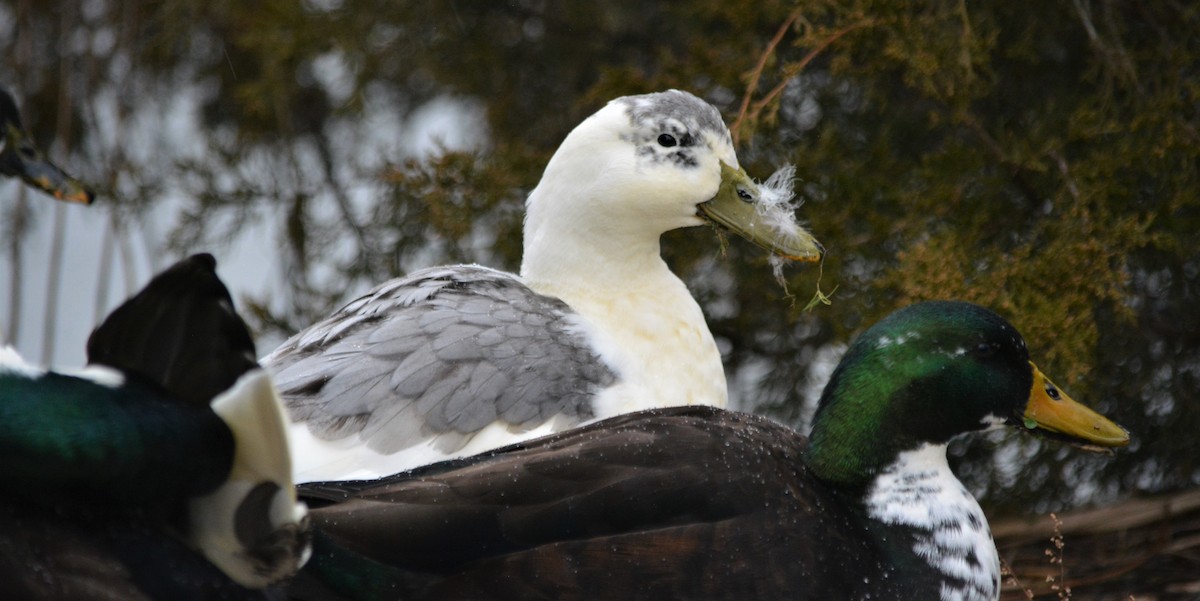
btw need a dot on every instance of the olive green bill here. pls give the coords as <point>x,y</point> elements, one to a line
<point>1050,410</point>
<point>741,207</point>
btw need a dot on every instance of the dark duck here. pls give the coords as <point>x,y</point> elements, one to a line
<point>703,503</point>
<point>159,471</point>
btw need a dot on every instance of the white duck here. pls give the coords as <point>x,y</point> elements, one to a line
<point>451,361</point>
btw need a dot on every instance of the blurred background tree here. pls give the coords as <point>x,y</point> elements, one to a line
<point>1040,159</point>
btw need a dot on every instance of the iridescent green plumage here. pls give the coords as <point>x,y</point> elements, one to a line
<point>159,472</point>
<point>133,446</point>
<point>923,374</point>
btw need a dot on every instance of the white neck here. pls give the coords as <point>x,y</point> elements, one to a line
<point>920,491</point>
<point>573,255</point>
<point>637,313</point>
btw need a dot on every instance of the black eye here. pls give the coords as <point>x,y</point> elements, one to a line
<point>1052,392</point>
<point>666,140</point>
<point>986,349</point>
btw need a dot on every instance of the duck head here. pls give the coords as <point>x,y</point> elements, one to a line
<point>930,372</point>
<point>644,165</point>
<point>20,158</point>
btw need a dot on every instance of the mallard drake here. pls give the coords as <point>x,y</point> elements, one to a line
<point>20,158</point>
<point>160,471</point>
<point>703,503</point>
<point>451,361</point>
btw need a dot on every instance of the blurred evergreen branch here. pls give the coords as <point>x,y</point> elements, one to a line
<point>1040,159</point>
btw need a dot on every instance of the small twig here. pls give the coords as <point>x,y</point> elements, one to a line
<point>818,296</point>
<point>795,69</point>
<point>1007,571</point>
<point>756,74</point>
<point>993,146</point>
<point>1056,558</point>
<point>751,111</point>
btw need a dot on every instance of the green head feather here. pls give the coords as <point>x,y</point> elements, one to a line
<point>921,375</point>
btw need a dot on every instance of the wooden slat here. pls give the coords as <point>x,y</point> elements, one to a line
<point>1134,513</point>
<point>1143,549</point>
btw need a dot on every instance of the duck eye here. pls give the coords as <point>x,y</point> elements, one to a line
<point>666,140</point>
<point>1052,392</point>
<point>986,349</point>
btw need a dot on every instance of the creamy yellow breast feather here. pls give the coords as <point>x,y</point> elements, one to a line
<point>656,338</point>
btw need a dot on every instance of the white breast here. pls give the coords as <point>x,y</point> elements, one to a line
<point>656,339</point>
<point>919,490</point>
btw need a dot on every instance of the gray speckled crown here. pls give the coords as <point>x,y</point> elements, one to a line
<point>658,110</point>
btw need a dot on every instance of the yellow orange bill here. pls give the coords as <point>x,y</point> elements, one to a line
<point>1051,410</point>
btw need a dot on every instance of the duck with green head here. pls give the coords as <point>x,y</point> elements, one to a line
<point>161,470</point>
<point>702,503</point>
<point>904,389</point>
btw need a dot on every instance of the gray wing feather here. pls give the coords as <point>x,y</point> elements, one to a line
<point>443,352</point>
<point>416,372</point>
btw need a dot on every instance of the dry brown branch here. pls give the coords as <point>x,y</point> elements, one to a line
<point>751,110</point>
<point>756,74</point>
